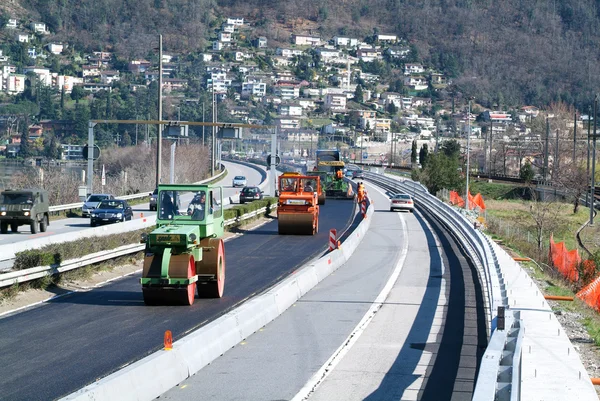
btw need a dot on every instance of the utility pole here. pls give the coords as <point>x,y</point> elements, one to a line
<point>468,152</point>
<point>593,186</point>
<point>555,165</point>
<point>546,148</point>
<point>159,134</point>
<point>574,137</point>
<point>203,143</point>
<point>587,199</point>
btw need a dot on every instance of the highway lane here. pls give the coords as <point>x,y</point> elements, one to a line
<point>54,349</point>
<point>63,226</point>
<point>424,342</point>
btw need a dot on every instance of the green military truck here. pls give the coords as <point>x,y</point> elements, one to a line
<point>24,207</point>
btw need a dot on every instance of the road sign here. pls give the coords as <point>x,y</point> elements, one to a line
<point>96,154</point>
<point>103,176</point>
<point>277,160</point>
<point>365,155</point>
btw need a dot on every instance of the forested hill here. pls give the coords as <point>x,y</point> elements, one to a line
<point>506,52</point>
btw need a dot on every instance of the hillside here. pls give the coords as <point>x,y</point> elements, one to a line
<point>504,53</point>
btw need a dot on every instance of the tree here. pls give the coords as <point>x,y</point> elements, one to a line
<point>526,173</point>
<point>413,153</point>
<point>392,109</point>
<point>77,93</point>
<point>423,155</point>
<point>51,147</point>
<point>451,148</point>
<point>359,94</point>
<point>442,172</point>
<point>25,148</point>
<point>126,139</point>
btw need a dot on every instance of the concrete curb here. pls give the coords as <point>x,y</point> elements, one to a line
<point>152,376</point>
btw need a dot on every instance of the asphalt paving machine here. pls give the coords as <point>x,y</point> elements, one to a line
<point>298,208</point>
<point>185,253</point>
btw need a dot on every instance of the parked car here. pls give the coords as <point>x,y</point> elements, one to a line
<point>92,202</point>
<point>402,202</point>
<point>249,194</point>
<point>111,211</point>
<point>239,181</point>
<point>153,197</point>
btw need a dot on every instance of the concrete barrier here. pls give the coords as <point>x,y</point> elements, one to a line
<point>150,377</point>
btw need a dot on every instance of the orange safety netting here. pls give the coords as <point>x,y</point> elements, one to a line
<point>474,201</point>
<point>590,294</point>
<point>564,261</point>
<point>478,200</point>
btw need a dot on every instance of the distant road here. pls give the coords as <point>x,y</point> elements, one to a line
<point>78,223</point>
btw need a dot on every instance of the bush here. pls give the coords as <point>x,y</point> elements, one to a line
<point>34,258</point>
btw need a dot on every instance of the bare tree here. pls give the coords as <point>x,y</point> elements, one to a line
<point>544,215</point>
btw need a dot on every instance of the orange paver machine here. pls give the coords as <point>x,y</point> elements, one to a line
<point>298,209</point>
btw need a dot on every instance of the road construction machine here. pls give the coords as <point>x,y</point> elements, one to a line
<point>298,209</point>
<point>185,253</point>
<point>331,170</point>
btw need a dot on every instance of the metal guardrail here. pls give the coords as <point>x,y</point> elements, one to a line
<point>500,371</point>
<point>71,206</point>
<point>34,273</point>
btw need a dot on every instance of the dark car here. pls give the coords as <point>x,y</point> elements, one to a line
<point>111,211</point>
<point>153,197</point>
<point>249,194</point>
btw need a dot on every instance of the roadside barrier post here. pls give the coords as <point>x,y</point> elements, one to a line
<point>332,239</point>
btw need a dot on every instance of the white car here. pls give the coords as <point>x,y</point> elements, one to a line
<point>402,202</point>
<point>239,181</point>
<point>92,203</point>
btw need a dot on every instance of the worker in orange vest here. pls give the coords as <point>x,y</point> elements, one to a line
<point>360,192</point>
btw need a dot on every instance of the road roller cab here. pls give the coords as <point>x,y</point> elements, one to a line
<point>185,252</point>
<point>298,209</point>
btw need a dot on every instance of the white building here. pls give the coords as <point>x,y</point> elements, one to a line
<point>288,53</point>
<point>22,38</point>
<point>108,77</point>
<point>217,46</point>
<point>43,74</point>
<point>15,83</point>
<point>235,21</point>
<point>254,89</point>
<point>413,69</point>
<point>224,37</point>
<point>335,102</point>
<point>55,48</point>
<point>12,23</point>
<point>290,110</point>
<point>287,91</point>
<point>345,41</point>
<point>306,40</point>
<point>228,28</point>
<point>65,82</point>
<point>387,38</point>
<point>39,27</point>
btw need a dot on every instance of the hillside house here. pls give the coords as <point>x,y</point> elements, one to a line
<point>138,66</point>
<point>96,87</point>
<point>109,77</point>
<point>261,42</point>
<point>306,40</point>
<point>55,48</point>
<point>368,54</point>
<point>389,38</point>
<point>343,41</point>
<point>288,53</point>
<point>22,38</point>
<point>335,102</point>
<point>235,21</point>
<point>174,84</point>
<point>88,71</point>
<point>287,91</point>
<point>34,132</point>
<point>398,52</point>
<point>228,28</point>
<point>286,109</point>
<point>225,37</point>
<point>254,89</point>
<point>39,27</point>
<point>412,68</point>
<point>43,74</point>
<point>12,23</point>
<point>218,46</point>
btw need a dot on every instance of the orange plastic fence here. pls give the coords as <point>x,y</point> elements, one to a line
<point>590,294</point>
<point>474,201</point>
<point>568,263</point>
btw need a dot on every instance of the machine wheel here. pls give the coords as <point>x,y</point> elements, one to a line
<point>44,224</point>
<point>316,230</point>
<point>173,296</point>
<point>213,261</point>
<point>93,224</point>
<point>3,227</point>
<point>14,227</point>
<point>34,226</point>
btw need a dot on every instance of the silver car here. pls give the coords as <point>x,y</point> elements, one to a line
<point>92,203</point>
<point>402,202</point>
<point>239,181</point>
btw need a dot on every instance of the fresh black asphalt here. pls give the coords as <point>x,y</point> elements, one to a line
<point>52,350</point>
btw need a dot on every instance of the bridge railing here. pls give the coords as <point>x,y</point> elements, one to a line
<point>499,377</point>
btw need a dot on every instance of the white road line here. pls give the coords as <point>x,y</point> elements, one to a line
<point>338,355</point>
